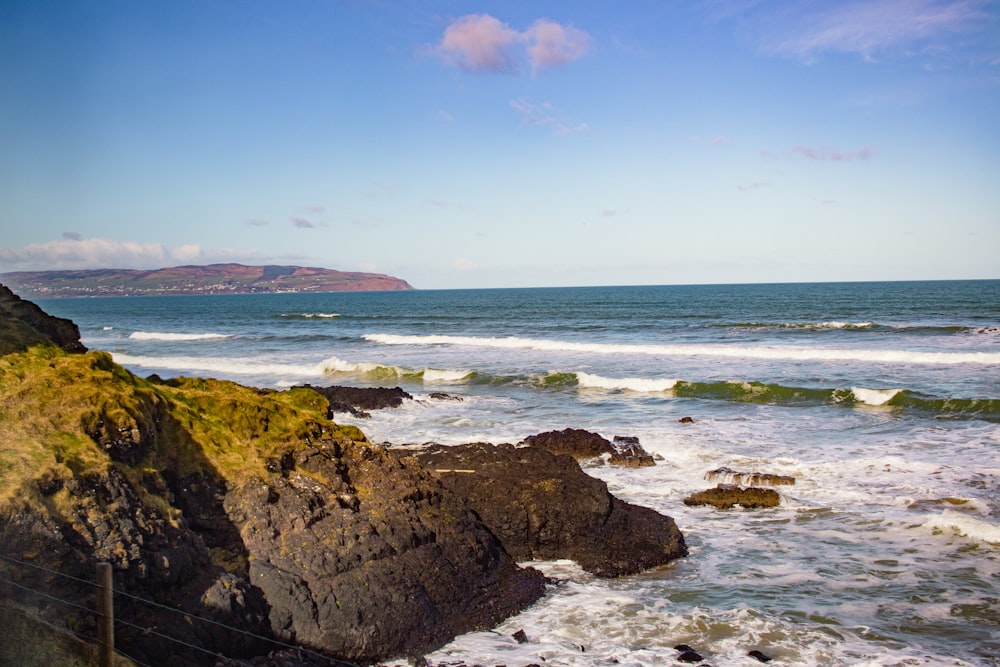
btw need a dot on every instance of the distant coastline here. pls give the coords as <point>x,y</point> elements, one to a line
<point>192,280</point>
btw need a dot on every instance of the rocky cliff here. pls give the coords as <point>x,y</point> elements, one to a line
<point>253,510</point>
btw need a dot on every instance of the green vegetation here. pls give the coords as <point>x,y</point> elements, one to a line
<point>71,414</point>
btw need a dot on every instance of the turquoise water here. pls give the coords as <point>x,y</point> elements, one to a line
<point>881,399</point>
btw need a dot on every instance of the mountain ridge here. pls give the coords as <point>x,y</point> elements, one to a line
<point>228,278</point>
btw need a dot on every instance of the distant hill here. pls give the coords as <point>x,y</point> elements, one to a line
<point>210,279</point>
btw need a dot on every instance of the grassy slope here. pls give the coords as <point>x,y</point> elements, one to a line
<point>53,403</point>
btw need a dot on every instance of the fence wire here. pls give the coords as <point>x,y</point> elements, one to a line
<point>188,616</point>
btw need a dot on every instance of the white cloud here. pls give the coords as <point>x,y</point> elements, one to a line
<point>95,253</point>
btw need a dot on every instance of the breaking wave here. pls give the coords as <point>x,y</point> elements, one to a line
<point>309,316</point>
<point>705,350</point>
<point>158,335</point>
<point>964,525</point>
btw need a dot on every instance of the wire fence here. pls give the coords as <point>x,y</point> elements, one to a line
<point>29,612</point>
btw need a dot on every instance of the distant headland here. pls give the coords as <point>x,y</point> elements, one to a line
<point>187,280</point>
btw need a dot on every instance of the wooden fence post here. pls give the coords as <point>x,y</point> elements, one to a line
<point>106,614</point>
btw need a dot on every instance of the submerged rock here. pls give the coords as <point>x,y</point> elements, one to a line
<point>727,496</point>
<point>543,506</point>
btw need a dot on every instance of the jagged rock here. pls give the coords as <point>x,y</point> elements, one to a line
<point>583,445</point>
<point>23,324</point>
<point>358,400</point>
<point>760,657</point>
<point>726,496</point>
<point>728,476</point>
<point>578,443</point>
<point>402,569</point>
<point>542,505</point>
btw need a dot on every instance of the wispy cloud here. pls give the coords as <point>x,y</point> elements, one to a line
<point>823,153</point>
<point>301,222</point>
<point>256,223</point>
<point>868,28</point>
<point>93,253</point>
<point>483,43</point>
<point>755,185</point>
<point>545,114</point>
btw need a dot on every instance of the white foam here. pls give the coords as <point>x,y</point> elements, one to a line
<point>220,365</point>
<point>874,396</point>
<point>964,525</point>
<point>158,335</point>
<point>725,351</point>
<point>310,316</point>
<point>651,385</point>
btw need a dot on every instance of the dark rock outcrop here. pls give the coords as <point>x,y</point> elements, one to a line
<point>357,401</point>
<point>575,442</point>
<point>583,445</point>
<point>374,558</point>
<point>727,496</point>
<point>23,324</point>
<point>543,506</point>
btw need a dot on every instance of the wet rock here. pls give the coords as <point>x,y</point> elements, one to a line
<point>543,506</point>
<point>583,445</point>
<point>726,496</point>
<point>686,420</point>
<point>759,656</point>
<point>728,476</point>
<point>628,452</point>
<point>441,396</point>
<point>689,657</point>
<point>357,401</point>
<point>520,637</point>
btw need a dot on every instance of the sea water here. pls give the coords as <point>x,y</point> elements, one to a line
<point>882,400</point>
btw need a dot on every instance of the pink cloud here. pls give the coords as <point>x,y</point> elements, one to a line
<point>483,43</point>
<point>552,44</point>
<point>480,43</point>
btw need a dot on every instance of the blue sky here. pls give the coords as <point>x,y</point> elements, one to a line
<point>496,144</point>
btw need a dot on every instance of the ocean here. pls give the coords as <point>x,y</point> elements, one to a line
<point>882,400</point>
